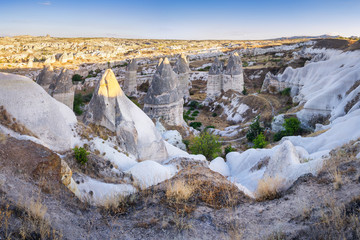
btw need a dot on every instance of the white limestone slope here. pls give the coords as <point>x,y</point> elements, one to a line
<point>50,120</point>
<point>324,87</point>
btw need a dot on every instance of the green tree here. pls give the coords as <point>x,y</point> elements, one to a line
<point>206,144</point>
<point>260,142</point>
<point>255,130</point>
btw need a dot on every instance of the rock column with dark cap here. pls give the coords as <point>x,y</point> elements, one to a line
<point>163,100</point>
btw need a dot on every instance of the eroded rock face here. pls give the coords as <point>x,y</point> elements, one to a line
<point>214,83</point>
<point>163,100</point>
<point>46,77</point>
<point>183,71</point>
<point>230,78</point>
<point>130,85</point>
<point>32,107</point>
<point>136,133</point>
<point>62,89</point>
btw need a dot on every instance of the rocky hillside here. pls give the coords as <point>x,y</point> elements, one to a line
<point>290,167</point>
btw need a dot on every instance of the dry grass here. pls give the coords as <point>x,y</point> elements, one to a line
<point>337,179</point>
<point>179,191</point>
<point>269,188</point>
<point>317,133</point>
<point>2,138</point>
<point>10,122</point>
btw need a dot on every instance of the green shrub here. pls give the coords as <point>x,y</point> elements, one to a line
<point>81,155</point>
<point>245,64</point>
<point>186,142</point>
<point>244,91</point>
<point>210,126</point>
<point>214,115</point>
<point>285,92</point>
<point>292,126</point>
<point>86,98</point>
<point>195,125</point>
<point>255,130</point>
<point>195,113</point>
<point>206,144</point>
<point>78,103</point>
<point>205,69</point>
<point>279,135</point>
<point>77,78</point>
<point>187,117</point>
<point>260,142</point>
<point>229,149</point>
<point>194,105</point>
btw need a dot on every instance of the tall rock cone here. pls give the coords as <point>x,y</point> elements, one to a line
<point>136,133</point>
<point>130,85</point>
<point>214,83</point>
<point>163,99</point>
<point>46,77</point>
<point>63,89</point>
<point>234,77</point>
<point>183,71</point>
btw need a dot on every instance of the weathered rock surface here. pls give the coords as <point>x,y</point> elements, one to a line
<point>183,71</point>
<point>62,89</point>
<point>130,85</point>
<point>163,99</point>
<point>230,78</point>
<point>136,133</point>
<point>46,77</point>
<point>32,107</point>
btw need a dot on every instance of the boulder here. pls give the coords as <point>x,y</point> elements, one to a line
<point>46,77</point>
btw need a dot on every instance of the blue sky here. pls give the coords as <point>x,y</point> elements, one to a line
<point>182,19</point>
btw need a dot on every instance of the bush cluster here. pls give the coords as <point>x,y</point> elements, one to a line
<point>81,155</point>
<point>292,127</point>
<point>206,144</point>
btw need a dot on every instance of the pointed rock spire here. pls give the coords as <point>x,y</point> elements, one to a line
<point>164,99</point>
<point>182,65</point>
<point>46,77</point>
<point>216,68</point>
<point>136,133</point>
<point>234,66</point>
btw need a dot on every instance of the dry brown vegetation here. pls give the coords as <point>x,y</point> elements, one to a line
<point>269,188</point>
<point>8,121</point>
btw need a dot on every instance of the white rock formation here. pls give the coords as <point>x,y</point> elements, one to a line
<point>163,100</point>
<point>130,85</point>
<point>230,78</point>
<point>183,71</point>
<point>50,120</point>
<point>64,58</point>
<point>136,133</point>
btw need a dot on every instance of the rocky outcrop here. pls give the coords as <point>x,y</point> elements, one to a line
<point>163,99</point>
<point>32,107</point>
<point>64,58</point>
<point>46,77</point>
<point>130,85</point>
<point>230,78</point>
<point>183,71</point>
<point>50,59</point>
<point>62,89</point>
<point>214,83</point>
<point>136,133</point>
<point>30,63</point>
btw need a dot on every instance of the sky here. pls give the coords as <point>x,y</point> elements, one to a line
<point>181,19</point>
